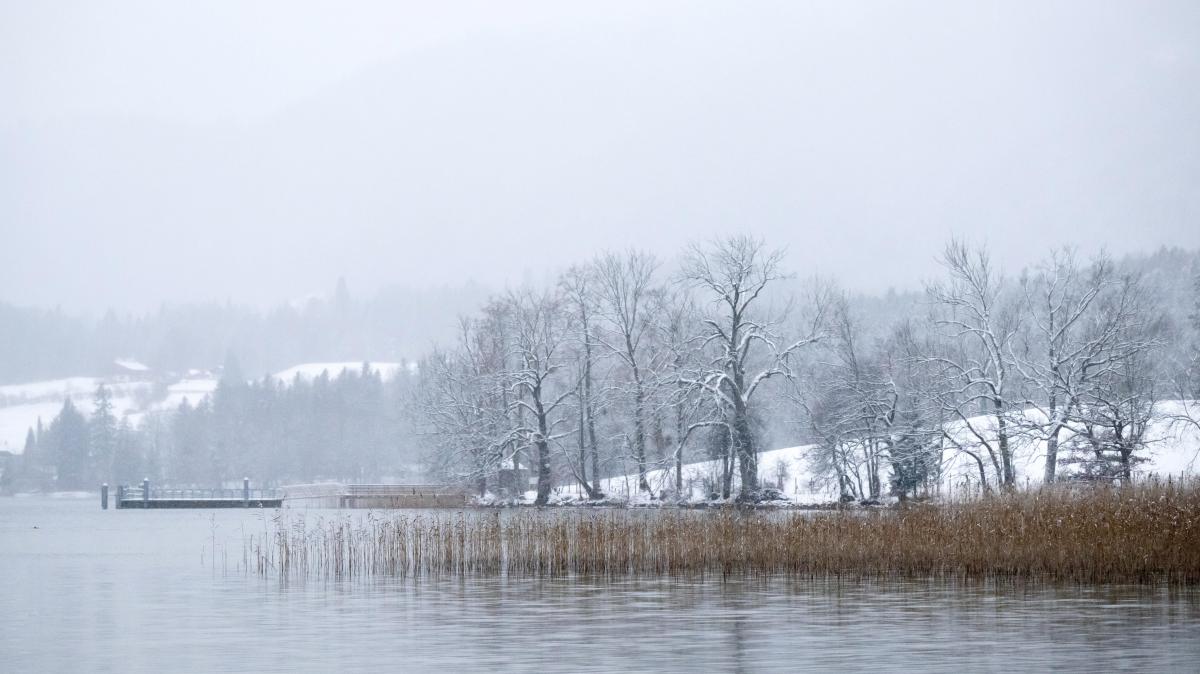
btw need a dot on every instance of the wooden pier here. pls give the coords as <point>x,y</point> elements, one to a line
<point>145,497</point>
<point>323,495</point>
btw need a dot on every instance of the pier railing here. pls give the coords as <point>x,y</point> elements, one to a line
<point>194,494</point>
<point>145,496</point>
<point>321,495</point>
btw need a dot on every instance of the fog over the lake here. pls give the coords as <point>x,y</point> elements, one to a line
<point>257,151</point>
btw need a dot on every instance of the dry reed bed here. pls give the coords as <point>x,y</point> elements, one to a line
<point>1145,533</point>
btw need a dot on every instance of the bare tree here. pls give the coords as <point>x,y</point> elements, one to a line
<point>464,401</point>
<point>1073,333</point>
<point>541,329</point>
<point>578,286</point>
<point>675,321</point>
<point>1116,406</point>
<point>625,286</point>
<point>734,272</point>
<point>976,324</point>
<point>862,403</point>
<point>1185,368</point>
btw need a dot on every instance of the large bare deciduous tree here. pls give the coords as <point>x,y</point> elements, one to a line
<point>977,321</point>
<point>1076,318</point>
<point>541,329</point>
<point>625,287</point>
<point>579,297</point>
<point>744,349</point>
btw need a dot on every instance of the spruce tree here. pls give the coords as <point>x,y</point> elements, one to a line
<point>69,441</point>
<point>102,434</point>
<point>30,452</point>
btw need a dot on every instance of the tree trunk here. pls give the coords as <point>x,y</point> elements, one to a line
<point>543,457</point>
<point>595,461</point>
<point>596,491</point>
<point>727,470</point>
<point>1052,440</point>
<point>639,432</point>
<point>1008,478</point>
<point>679,450</point>
<point>1052,455</point>
<point>873,468</point>
<point>747,457</point>
<point>543,478</point>
<point>583,480</point>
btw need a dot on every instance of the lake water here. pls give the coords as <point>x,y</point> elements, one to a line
<point>88,590</point>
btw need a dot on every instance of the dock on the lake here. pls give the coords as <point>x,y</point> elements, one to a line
<point>146,497</point>
<point>323,495</point>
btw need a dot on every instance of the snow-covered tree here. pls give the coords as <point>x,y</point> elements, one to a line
<point>540,333</point>
<point>1076,317</point>
<point>1113,410</point>
<point>976,322</point>
<point>743,345</point>
<point>579,285</point>
<point>625,289</point>
<point>102,434</point>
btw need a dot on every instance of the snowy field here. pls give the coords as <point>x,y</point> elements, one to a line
<point>21,405</point>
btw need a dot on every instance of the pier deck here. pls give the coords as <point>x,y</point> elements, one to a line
<point>323,495</point>
<point>146,498</point>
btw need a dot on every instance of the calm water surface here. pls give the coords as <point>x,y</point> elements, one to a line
<point>87,590</point>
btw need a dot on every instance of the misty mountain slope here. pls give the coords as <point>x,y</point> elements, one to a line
<point>391,324</point>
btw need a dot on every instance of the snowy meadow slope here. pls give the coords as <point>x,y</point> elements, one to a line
<point>1172,449</point>
<point>133,397</point>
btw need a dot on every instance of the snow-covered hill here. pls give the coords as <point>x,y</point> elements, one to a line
<point>1173,449</point>
<point>21,405</point>
<point>134,394</point>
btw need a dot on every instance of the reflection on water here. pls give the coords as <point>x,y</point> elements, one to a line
<point>139,591</point>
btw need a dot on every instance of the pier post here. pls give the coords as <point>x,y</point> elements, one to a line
<point>104,496</point>
<point>145,492</point>
<point>246,492</point>
<point>120,495</point>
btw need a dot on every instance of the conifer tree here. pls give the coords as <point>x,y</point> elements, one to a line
<point>102,433</point>
<point>69,441</point>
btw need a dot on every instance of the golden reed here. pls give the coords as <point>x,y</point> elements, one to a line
<point>1144,533</point>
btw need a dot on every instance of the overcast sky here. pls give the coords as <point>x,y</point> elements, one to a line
<point>256,151</point>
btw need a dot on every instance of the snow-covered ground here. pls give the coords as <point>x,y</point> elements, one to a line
<point>1173,449</point>
<point>13,394</point>
<point>21,405</point>
<point>193,390</point>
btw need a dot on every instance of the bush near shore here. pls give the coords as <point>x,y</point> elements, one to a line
<point>1098,534</point>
